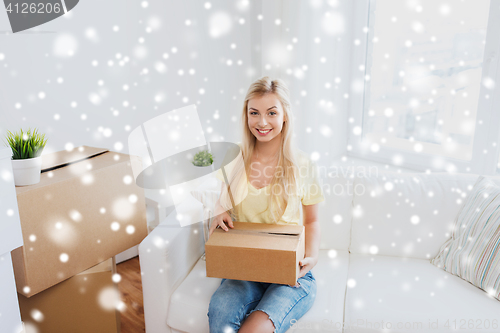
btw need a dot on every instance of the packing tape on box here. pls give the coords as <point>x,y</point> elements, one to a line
<point>263,233</point>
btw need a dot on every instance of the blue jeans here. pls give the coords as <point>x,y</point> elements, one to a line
<point>235,300</point>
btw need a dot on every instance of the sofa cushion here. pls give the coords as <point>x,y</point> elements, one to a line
<point>189,302</point>
<point>473,251</point>
<point>406,215</point>
<point>408,291</point>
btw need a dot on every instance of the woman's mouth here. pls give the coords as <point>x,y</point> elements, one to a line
<point>264,132</point>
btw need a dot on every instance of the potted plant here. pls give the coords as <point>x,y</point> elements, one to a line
<point>26,160</point>
<point>203,158</point>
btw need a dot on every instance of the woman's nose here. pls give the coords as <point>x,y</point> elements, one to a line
<point>262,121</point>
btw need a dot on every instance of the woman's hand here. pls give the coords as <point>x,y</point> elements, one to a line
<point>306,265</point>
<point>219,221</point>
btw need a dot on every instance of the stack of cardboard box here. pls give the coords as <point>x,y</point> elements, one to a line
<point>85,210</point>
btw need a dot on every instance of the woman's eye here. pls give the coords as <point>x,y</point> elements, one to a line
<point>253,112</point>
<point>272,113</point>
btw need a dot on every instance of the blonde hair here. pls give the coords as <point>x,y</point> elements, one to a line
<point>285,176</point>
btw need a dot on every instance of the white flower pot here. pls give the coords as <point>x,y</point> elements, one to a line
<point>27,171</point>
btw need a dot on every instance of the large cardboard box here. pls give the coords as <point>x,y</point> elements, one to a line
<point>256,252</point>
<point>86,209</point>
<point>86,302</point>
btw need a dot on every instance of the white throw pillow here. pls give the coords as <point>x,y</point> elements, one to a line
<point>473,252</point>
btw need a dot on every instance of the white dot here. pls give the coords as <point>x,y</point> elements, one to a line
<point>130,229</point>
<point>415,219</point>
<point>332,253</point>
<point>26,290</point>
<point>144,4</point>
<point>356,130</point>
<point>37,315</point>
<point>208,5</point>
<point>41,95</point>
<point>389,186</point>
<point>63,257</point>
<point>375,147</point>
<point>69,146</point>
<point>132,198</point>
<point>351,283</point>
<point>373,249</point>
<point>315,156</point>
<point>118,146</point>
<point>115,226</point>
<point>102,210</point>
<point>277,22</point>
<point>337,218</point>
<point>116,28</point>
<point>445,9</point>
<point>32,238</point>
<point>10,212</point>
<point>107,132</point>
<point>75,215</point>
<point>116,278</point>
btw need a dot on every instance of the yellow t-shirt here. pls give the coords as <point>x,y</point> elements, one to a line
<point>256,201</point>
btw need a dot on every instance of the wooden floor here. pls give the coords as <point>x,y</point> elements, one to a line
<point>132,318</point>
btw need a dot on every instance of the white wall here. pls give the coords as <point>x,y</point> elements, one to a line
<point>34,60</point>
<point>311,50</point>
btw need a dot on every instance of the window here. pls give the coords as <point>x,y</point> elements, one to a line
<point>429,86</point>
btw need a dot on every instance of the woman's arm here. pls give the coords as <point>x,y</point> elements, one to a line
<point>313,234</point>
<point>220,216</point>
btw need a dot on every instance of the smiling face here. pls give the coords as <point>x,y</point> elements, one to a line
<point>265,113</point>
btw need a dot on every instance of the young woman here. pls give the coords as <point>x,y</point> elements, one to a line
<point>268,187</point>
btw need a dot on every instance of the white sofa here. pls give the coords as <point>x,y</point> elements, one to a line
<point>378,234</point>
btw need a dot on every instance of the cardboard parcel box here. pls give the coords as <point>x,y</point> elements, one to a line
<point>256,252</point>
<point>85,209</point>
<point>84,303</point>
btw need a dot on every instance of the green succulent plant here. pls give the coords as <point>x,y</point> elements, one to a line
<point>203,158</point>
<point>25,144</point>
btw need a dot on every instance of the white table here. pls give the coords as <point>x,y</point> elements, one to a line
<point>159,204</point>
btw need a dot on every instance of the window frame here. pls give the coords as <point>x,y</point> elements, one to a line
<point>487,131</point>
